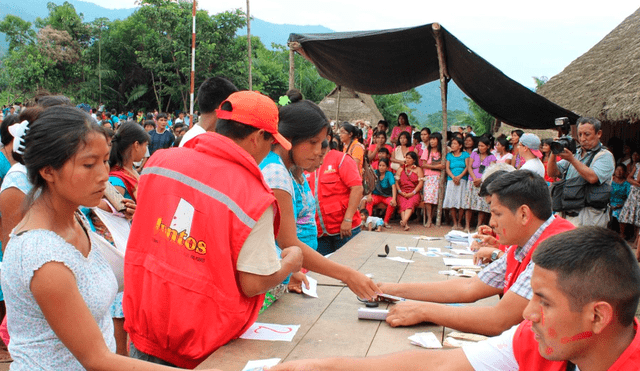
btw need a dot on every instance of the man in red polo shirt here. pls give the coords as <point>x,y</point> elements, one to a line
<point>586,286</point>
<point>521,216</point>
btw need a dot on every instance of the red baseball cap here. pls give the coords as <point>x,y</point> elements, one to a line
<point>254,109</point>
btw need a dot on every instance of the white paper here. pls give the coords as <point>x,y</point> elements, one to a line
<point>416,249</point>
<point>270,331</point>
<point>313,287</point>
<point>463,252</point>
<point>429,254</point>
<point>401,248</point>
<point>433,249</point>
<point>118,226</point>
<point>449,273</point>
<point>260,364</point>
<point>459,243</point>
<point>428,238</point>
<point>425,340</point>
<point>459,262</point>
<point>399,259</point>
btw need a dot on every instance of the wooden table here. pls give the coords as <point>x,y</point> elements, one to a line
<point>329,325</point>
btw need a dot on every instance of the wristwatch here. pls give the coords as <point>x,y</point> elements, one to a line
<point>495,255</point>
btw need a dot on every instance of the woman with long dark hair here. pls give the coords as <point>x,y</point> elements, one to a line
<point>403,146</point>
<point>403,126</point>
<point>58,286</point>
<point>304,124</point>
<point>349,135</point>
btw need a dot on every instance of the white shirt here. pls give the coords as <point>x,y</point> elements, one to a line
<point>191,133</point>
<point>534,165</point>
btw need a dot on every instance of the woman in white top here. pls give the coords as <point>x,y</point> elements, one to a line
<point>58,286</point>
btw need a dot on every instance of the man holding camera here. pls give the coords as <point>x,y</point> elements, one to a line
<point>593,163</point>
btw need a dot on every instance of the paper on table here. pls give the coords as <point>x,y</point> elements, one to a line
<point>270,331</point>
<point>429,254</point>
<point>463,252</point>
<point>416,249</point>
<point>433,249</point>
<point>260,364</point>
<point>459,262</point>
<point>425,340</point>
<point>313,287</point>
<point>399,259</point>
<point>427,238</point>
<point>401,248</point>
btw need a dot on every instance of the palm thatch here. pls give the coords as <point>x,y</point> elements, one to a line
<point>353,106</point>
<point>603,82</point>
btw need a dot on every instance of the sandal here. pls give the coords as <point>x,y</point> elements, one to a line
<point>406,227</point>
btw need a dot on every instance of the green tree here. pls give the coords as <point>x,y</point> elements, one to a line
<point>391,105</point>
<point>540,81</point>
<point>481,121</point>
<point>17,31</point>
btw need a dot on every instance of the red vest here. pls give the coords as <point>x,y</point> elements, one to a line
<point>525,350</point>
<point>196,207</point>
<point>332,192</point>
<point>514,267</point>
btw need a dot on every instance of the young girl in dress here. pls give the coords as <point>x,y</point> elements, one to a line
<point>503,150</point>
<point>455,193</point>
<point>432,164</point>
<point>409,185</point>
<point>58,286</point>
<point>516,160</point>
<point>403,146</point>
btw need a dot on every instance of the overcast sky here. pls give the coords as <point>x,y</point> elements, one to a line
<point>522,38</point>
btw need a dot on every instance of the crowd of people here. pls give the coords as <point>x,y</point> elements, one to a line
<point>225,215</point>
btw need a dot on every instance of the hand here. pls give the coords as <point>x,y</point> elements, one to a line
<point>361,285</point>
<point>130,208</point>
<point>292,256</point>
<point>301,365</point>
<point>456,180</point>
<point>393,203</point>
<point>345,229</point>
<point>477,182</point>
<point>407,313</point>
<point>566,155</point>
<point>485,230</point>
<point>368,198</point>
<point>388,288</point>
<point>485,241</point>
<point>296,281</point>
<point>483,255</point>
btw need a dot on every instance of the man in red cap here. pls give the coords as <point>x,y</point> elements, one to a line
<point>202,251</point>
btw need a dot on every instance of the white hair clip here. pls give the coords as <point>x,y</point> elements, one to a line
<point>19,131</point>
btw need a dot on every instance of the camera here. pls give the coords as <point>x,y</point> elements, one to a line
<point>558,145</point>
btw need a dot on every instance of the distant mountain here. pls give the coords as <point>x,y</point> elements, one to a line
<point>269,33</point>
<point>278,33</point>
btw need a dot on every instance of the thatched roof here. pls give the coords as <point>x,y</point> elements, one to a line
<point>605,81</point>
<point>353,106</point>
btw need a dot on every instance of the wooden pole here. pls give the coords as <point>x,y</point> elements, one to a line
<point>292,68</point>
<point>338,107</point>
<point>444,80</point>
<point>193,65</point>
<point>249,45</point>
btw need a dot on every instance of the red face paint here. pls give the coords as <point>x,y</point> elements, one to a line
<point>580,336</point>
<point>548,351</point>
<point>504,231</point>
<point>552,333</point>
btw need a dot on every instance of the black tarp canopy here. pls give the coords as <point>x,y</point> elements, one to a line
<point>392,61</point>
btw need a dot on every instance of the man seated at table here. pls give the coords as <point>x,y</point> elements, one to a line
<point>586,287</point>
<point>521,217</point>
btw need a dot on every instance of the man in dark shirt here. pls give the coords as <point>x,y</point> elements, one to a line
<point>160,136</point>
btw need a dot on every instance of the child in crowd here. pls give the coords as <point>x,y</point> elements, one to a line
<point>371,222</point>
